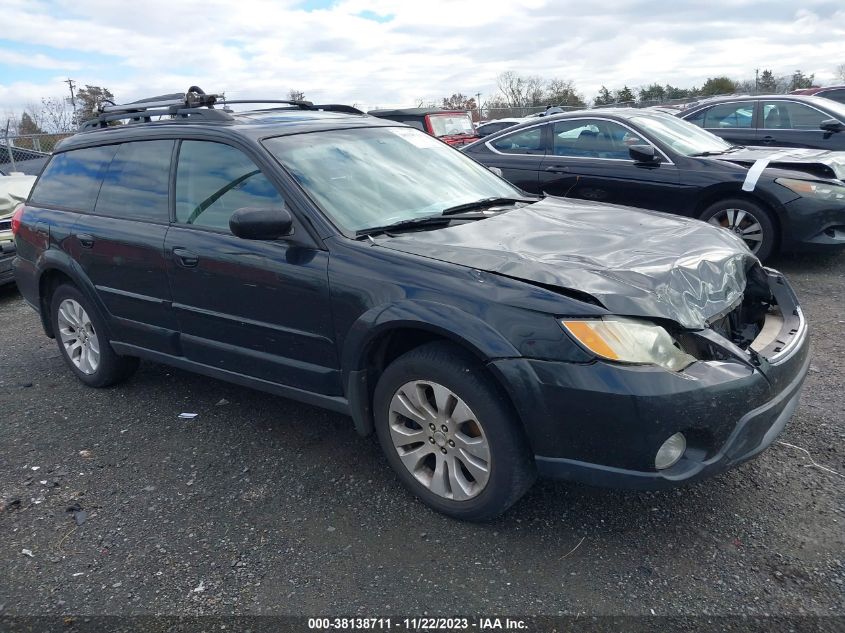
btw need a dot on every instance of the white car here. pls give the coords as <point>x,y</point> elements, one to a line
<point>14,189</point>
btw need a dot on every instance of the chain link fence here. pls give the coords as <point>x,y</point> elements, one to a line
<point>27,153</point>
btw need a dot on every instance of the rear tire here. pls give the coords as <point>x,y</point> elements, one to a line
<point>460,448</point>
<point>81,337</point>
<point>748,220</point>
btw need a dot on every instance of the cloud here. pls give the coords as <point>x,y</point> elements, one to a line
<point>393,52</point>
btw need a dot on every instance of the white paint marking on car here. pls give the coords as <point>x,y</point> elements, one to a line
<point>757,168</point>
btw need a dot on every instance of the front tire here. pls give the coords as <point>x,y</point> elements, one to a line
<point>80,334</point>
<point>450,434</point>
<point>748,220</point>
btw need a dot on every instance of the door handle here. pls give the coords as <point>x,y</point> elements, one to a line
<point>768,139</point>
<point>186,258</point>
<point>85,240</point>
<point>557,169</point>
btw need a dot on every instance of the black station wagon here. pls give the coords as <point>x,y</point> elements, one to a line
<point>484,334</point>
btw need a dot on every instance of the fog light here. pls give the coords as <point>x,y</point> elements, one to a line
<point>670,451</point>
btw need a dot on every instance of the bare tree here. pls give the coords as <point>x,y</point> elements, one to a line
<point>296,95</point>
<point>562,92</point>
<point>56,115</point>
<point>840,72</point>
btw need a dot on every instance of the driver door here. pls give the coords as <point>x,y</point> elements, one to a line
<point>259,308</point>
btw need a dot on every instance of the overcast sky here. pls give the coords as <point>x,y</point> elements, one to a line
<point>394,52</point>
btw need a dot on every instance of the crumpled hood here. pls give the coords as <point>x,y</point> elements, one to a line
<point>14,189</point>
<point>635,262</point>
<point>819,162</point>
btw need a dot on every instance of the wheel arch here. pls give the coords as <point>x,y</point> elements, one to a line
<point>54,269</point>
<point>714,194</point>
<point>378,338</point>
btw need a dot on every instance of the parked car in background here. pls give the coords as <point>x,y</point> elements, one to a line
<point>496,125</point>
<point>363,266</point>
<point>14,189</point>
<point>656,161</point>
<point>452,126</point>
<point>776,120</point>
<point>837,93</point>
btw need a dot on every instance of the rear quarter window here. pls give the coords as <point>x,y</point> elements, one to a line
<point>72,179</point>
<point>137,181</point>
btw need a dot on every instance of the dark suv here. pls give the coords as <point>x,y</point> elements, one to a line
<point>363,266</point>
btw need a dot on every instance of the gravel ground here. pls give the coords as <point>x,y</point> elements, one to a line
<point>261,505</point>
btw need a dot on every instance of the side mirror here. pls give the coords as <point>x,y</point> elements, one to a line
<point>261,223</point>
<point>832,125</point>
<point>644,154</point>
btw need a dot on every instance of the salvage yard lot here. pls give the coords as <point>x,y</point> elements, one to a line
<point>265,505</point>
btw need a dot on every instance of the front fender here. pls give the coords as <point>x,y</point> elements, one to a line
<point>437,318</point>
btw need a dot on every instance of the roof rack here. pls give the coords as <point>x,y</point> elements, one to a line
<point>194,104</point>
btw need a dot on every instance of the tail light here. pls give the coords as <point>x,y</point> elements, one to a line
<point>16,219</point>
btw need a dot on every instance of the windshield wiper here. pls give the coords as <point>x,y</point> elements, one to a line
<point>483,204</point>
<point>428,220</point>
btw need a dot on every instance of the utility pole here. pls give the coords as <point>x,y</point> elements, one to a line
<point>478,104</point>
<point>71,84</point>
<point>756,81</point>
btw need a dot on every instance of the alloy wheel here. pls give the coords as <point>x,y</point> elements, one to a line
<point>439,440</point>
<point>743,223</point>
<point>78,336</point>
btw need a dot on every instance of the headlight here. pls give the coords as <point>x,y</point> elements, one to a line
<point>629,341</point>
<point>810,189</point>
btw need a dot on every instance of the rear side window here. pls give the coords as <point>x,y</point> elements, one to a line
<point>72,179</point>
<point>528,141</point>
<point>214,180</point>
<point>136,182</point>
<point>729,115</point>
<point>789,115</point>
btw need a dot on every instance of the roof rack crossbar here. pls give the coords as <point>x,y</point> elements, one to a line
<point>146,116</point>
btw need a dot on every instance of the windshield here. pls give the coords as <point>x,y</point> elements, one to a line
<point>683,137</point>
<point>830,105</point>
<point>369,177</point>
<point>447,124</point>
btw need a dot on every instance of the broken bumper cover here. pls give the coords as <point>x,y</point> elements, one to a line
<point>602,423</point>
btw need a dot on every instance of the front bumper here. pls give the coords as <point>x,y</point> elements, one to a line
<point>7,256</point>
<point>602,423</point>
<point>814,225</point>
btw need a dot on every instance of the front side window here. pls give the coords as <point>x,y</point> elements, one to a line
<point>214,180</point>
<point>729,115</point>
<point>137,181</point>
<point>788,115</point>
<point>528,141</point>
<point>374,176</point>
<point>593,138</point>
<point>72,179</point>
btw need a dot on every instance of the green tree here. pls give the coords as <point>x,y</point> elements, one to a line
<point>623,96</point>
<point>654,92</point>
<point>718,86</point>
<point>87,101</point>
<point>800,80</point>
<point>673,92</point>
<point>603,97</point>
<point>767,82</point>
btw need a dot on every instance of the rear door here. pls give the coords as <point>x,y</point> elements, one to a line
<point>518,155</point>
<point>589,159</point>
<point>120,243</point>
<point>250,307</point>
<point>791,124</point>
<point>733,121</point>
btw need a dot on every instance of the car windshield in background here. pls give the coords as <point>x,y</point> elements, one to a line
<point>683,137</point>
<point>446,125</point>
<point>368,177</point>
<point>832,106</point>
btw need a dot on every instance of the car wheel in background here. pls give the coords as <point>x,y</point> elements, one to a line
<point>748,220</point>
<point>80,334</point>
<point>450,434</point>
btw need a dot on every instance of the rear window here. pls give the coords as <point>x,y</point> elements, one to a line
<point>72,179</point>
<point>136,183</point>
